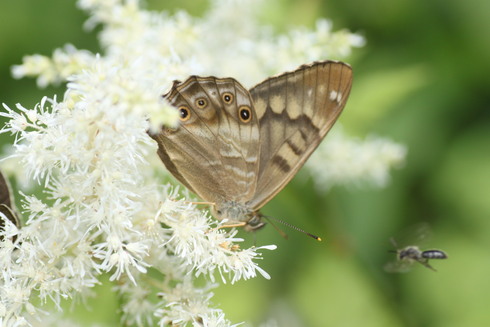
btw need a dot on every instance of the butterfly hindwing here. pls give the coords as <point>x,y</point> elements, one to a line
<point>295,110</point>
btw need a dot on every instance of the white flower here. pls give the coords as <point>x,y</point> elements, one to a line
<point>65,62</point>
<point>208,249</point>
<point>138,308</point>
<point>340,160</point>
<point>187,304</point>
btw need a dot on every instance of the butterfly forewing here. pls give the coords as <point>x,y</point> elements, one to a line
<point>238,141</point>
<point>295,111</point>
<point>185,150</point>
<point>212,153</point>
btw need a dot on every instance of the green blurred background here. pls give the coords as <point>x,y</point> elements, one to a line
<point>421,80</point>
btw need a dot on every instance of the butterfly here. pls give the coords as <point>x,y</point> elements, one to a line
<point>237,148</point>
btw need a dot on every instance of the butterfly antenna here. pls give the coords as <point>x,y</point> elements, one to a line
<point>280,231</point>
<point>269,218</point>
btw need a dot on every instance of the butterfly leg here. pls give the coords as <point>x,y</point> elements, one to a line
<point>238,224</point>
<point>206,203</point>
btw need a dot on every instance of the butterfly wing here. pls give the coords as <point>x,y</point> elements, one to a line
<point>214,151</point>
<point>295,112</point>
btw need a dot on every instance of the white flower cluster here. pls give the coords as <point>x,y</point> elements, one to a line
<point>347,161</point>
<point>103,212</point>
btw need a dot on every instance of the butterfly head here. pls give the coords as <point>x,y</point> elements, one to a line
<point>239,214</point>
<point>255,222</point>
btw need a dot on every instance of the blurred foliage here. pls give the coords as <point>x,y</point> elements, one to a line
<point>422,80</point>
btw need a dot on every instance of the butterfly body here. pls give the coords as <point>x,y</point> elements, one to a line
<point>237,148</point>
<point>239,212</point>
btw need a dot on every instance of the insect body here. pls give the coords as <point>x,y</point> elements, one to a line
<point>408,255</point>
<point>412,254</point>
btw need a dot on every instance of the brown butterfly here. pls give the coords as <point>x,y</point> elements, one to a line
<point>7,210</point>
<point>237,148</point>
